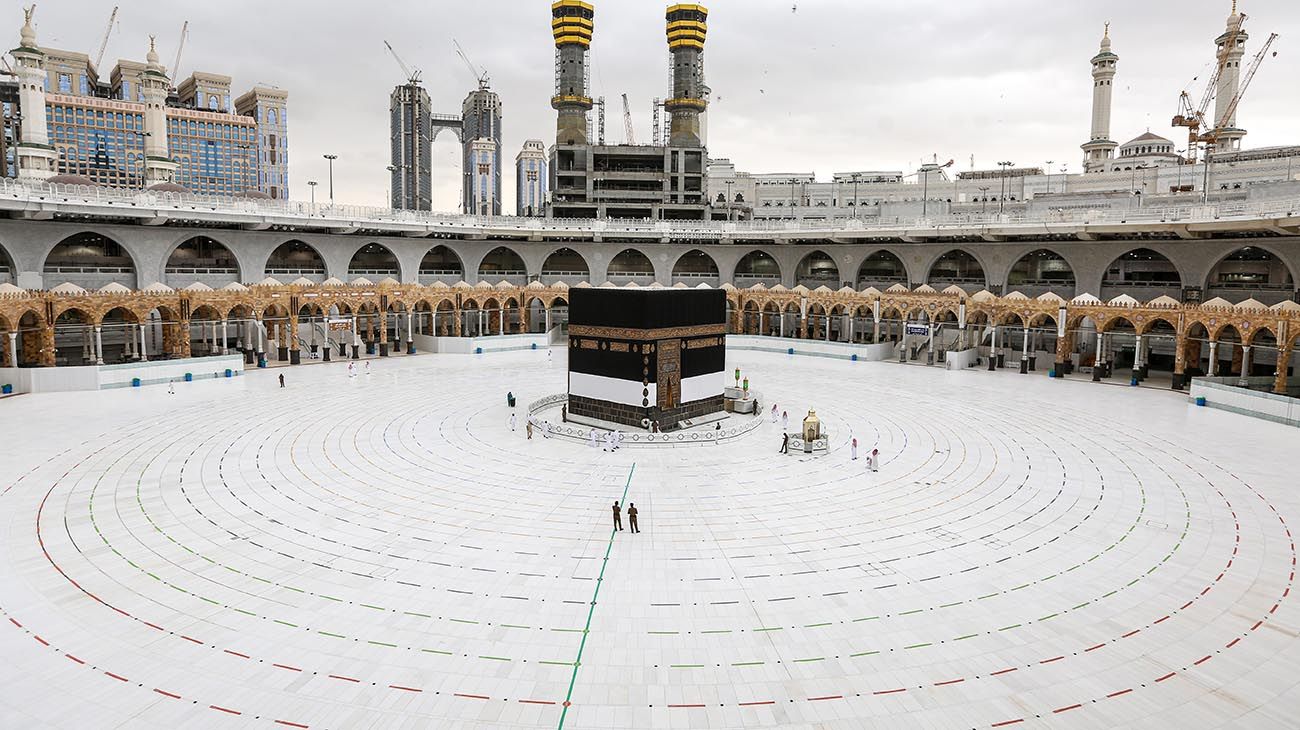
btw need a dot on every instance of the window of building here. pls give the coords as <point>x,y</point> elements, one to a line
<point>65,83</point>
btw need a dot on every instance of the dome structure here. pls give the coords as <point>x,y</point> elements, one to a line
<point>169,187</point>
<point>1145,150</point>
<point>68,178</point>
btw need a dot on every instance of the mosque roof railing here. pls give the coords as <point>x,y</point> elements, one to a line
<point>44,201</point>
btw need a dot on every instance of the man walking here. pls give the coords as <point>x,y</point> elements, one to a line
<point>875,460</point>
<point>281,380</point>
<point>785,443</point>
<point>528,426</point>
<point>631,517</point>
<point>618,516</point>
<point>853,449</point>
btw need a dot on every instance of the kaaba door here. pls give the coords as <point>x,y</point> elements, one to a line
<point>670,374</point>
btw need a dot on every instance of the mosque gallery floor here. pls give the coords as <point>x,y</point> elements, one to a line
<point>383,552</point>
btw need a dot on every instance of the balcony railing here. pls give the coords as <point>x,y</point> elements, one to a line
<point>25,196</point>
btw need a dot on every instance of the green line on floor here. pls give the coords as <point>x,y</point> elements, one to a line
<point>577,662</point>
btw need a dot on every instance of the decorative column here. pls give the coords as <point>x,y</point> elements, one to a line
<point>383,334</point>
<point>1180,360</point>
<point>1137,360</point>
<point>1024,352</point>
<point>295,354</point>
<point>259,334</point>
<point>1098,359</point>
<point>48,355</point>
<point>1214,358</point>
<point>13,350</point>
<point>144,348</point>
<point>99,345</point>
<point>225,337</point>
<point>410,337</point>
<point>548,319</point>
<point>1245,361</point>
<point>356,340</point>
<point>1279,383</point>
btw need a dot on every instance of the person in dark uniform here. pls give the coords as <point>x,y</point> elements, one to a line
<point>618,517</point>
<point>631,517</point>
<point>281,380</point>
<point>785,443</point>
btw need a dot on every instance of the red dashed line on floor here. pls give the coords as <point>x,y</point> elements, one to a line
<point>1098,646</point>
<point>345,679</point>
<point>226,710</point>
<point>1161,619</point>
<point>1066,709</point>
<point>1053,659</point>
<point>196,641</point>
<point>43,641</point>
<point>1134,631</point>
<point>286,666</point>
<point>409,689</point>
<point>290,724</point>
<point>1004,723</point>
<point>1232,643</point>
<point>1201,661</point>
<point>1121,692</point>
<point>235,653</point>
<point>828,697</point>
<point>537,702</point>
<point>951,681</point>
<point>890,691</point>
<point>472,697</point>
<point>752,704</point>
<point>73,658</point>
<point>684,706</point>
<point>1003,671</point>
<point>1167,676</point>
<point>118,677</point>
<point>165,693</point>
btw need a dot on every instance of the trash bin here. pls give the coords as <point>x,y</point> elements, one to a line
<point>1133,381</point>
<point>478,351</point>
<point>854,357</point>
<point>261,361</point>
<point>789,351</point>
<point>230,373</point>
<point>534,346</point>
<point>189,377</point>
<point>135,382</point>
<point>1051,373</point>
<point>6,389</point>
<point>1200,400</point>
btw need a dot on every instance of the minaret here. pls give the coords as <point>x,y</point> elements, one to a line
<point>1099,147</point>
<point>687,28</point>
<point>572,23</point>
<point>1231,47</point>
<point>158,166</point>
<point>36,157</point>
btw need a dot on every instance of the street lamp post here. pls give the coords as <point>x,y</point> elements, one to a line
<point>925,192</point>
<point>984,197</point>
<point>1048,168</point>
<point>1003,199</point>
<point>1064,180</point>
<point>391,170</point>
<point>331,159</point>
<point>312,184</point>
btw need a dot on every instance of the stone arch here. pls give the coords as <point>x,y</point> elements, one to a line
<point>503,263</point>
<point>882,269</point>
<point>293,259</point>
<point>201,259</point>
<point>630,264</point>
<point>1040,271</point>
<point>817,268</point>
<point>1252,271</point>
<point>90,259</point>
<point>8,271</point>
<point>956,266</point>
<point>1142,273</point>
<point>696,267</point>
<point>374,261</point>
<point>441,263</point>
<point>567,265</point>
<point>757,267</point>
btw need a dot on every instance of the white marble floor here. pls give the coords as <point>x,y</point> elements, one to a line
<point>382,552</point>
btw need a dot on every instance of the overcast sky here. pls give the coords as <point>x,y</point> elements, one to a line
<point>808,86</point>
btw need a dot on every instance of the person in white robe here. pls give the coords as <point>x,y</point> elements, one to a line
<point>592,437</point>
<point>512,422</point>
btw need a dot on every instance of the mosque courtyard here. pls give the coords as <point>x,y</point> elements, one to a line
<point>383,551</point>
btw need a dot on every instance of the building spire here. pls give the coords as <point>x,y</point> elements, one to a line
<point>28,33</point>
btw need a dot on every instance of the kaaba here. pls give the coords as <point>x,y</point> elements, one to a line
<point>647,354</point>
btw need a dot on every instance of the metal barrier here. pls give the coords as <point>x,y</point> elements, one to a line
<point>636,438</point>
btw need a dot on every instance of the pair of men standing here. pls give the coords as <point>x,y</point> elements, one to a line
<point>631,517</point>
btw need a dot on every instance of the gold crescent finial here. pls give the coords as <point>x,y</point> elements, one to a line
<point>151,42</point>
<point>28,11</point>
<point>1108,28</point>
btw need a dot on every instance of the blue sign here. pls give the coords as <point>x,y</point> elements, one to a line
<point>918,329</point>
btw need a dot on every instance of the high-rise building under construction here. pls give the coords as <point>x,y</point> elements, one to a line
<point>593,180</point>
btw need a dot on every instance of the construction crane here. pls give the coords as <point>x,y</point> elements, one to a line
<point>412,75</point>
<point>103,45</point>
<point>479,74</point>
<point>1193,117</point>
<point>176,65</point>
<point>1211,137</point>
<point>628,133</point>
